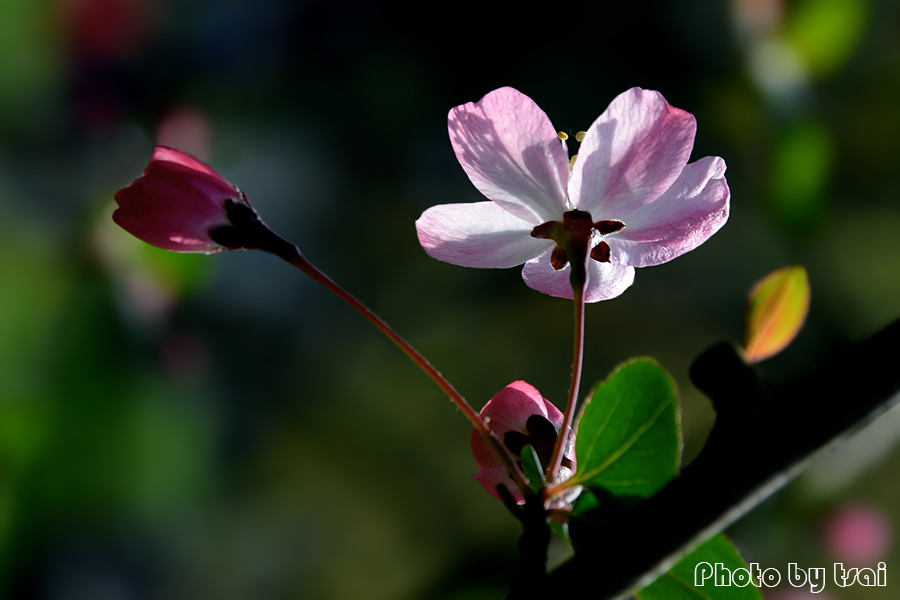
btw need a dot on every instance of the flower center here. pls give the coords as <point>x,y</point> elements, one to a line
<point>573,236</point>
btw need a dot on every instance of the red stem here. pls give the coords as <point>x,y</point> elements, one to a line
<point>565,431</point>
<point>509,461</point>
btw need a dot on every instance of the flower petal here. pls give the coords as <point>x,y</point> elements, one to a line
<point>605,280</point>
<point>491,478</point>
<point>169,216</point>
<point>631,153</point>
<point>510,408</point>
<point>479,234</point>
<point>166,154</point>
<point>510,151</point>
<point>211,186</point>
<point>685,216</point>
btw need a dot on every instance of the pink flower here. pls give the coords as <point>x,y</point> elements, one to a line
<point>631,187</point>
<point>176,203</point>
<point>518,415</point>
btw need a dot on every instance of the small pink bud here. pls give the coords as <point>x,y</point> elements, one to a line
<point>518,415</point>
<point>858,534</point>
<point>786,593</point>
<point>176,203</point>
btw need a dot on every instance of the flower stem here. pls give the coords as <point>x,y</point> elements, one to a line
<point>477,421</point>
<point>251,233</point>
<point>565,431</point>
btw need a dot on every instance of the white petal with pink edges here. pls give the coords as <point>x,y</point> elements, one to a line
<point>510,151</point>
<point>480,234</point>
<point>605,280</point>
<point>632,152</point>
<point>685,216</point>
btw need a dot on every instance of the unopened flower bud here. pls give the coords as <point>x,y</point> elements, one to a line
<point>176,203</point>
<point>518,415</point>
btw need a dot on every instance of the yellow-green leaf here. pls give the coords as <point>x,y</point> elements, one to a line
<point>776,308</point>
<point>825,33</point>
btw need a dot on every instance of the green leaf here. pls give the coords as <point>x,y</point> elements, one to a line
<point>776,308</point>
<point>802,162</point>
<point>629,439</point>
<point>531,467</point>
<point>678,583</point>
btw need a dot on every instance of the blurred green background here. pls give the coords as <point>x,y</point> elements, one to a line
<point>177,426</point>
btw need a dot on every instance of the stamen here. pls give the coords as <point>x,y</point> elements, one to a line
<point>558,258</point>
<point>601,252</point>
<point>563,135</point>
<point>572,162</point>
<point>580,135</point>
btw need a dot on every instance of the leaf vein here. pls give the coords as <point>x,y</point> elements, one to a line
<point>623,448</point>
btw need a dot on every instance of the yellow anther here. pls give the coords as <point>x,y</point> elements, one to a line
<point>572,162</point>
<point>562,135</point>
<point>580,135</point>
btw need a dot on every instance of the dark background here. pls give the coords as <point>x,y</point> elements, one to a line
<point>177,426</point>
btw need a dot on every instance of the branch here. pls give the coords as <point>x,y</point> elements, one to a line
<point>530,579</point>
<point>765,435</point>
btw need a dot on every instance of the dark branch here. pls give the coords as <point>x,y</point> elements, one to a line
<point>530,579</point>
<point>765,435</point>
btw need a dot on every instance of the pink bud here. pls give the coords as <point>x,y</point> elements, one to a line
<point>790,594</point>
<point>518,415</point>
<point>176,203</point>
<point>858,534</point>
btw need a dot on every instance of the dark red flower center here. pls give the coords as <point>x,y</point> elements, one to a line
<point>573,236</point>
